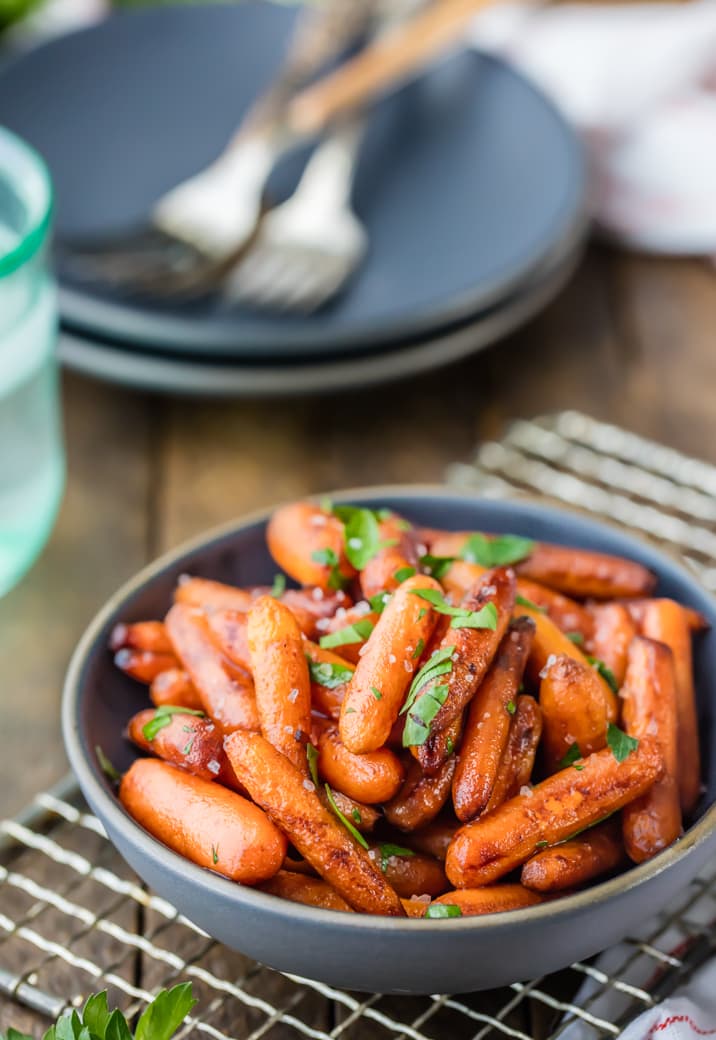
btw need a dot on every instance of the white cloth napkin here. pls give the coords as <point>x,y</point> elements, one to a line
<point>639,82</point>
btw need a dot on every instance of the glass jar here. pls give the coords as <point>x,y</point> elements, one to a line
<point>31,451</point>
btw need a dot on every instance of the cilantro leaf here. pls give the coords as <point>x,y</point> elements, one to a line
<point>344,819</point>
<point>358,632</point>
<point>403,573</point>
<point>572,755</point>
<point>355,813</point>
<point>498,551</point>
<point>166,1013</point>
<point>449,744</point>
<point>312,756</point>
<point>163,716</point>
<point>324,673</point>
<point>440,663</point>
<point>387,850</point>
<point>620,743</point>
<point>575,637</point>
<point>522,601</point>
<point>441,910</point>
<point>417,724</point>
<point>376,693</point>
<point>485,617</point>
<point>279,585</point>
<point>362,537</point>
<point>436,566</point>
<point>419,647</point>
<point>606,673</point>
<point>329,558</point>
<point>511,707</point>
<point>106,766</point>
<point>379,602</point>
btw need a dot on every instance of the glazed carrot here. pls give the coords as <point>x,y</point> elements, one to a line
<point>347,631</point>
<point>665,621</point>
<point>439,746</point>
<point>612,632</point>
<point>228,700</point>
<point>572,863</point>
<point>649,708</point>
<point>382,573</point>
<point>143,665</point>
<point>312,607</point>
<point>469,652</point>
<point>409,874</point>
<point>188,741</point>
<point>574,711</point>
<point>376,692</point>
<point>308,544</point>
<point>421,797</point>
<point>229,632</point>
<point>292,802</point>
<point>372,778</point>
<point>435,838</point>
<point>637,609</point>
<point>300,888</point>
<point>215,595</point>
<point>283,686</point>
<point>568,801</point>
<point>515,768</point>
<point>141,635</point>
<point>488,722</point>
<point>204,822</point>
<point>330,675</point>
<point>174,687</point>
<point>363,817</point>
<point>492,899</point>
<point>416,906</point>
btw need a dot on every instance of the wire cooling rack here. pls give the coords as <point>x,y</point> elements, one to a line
<point>75,919</point>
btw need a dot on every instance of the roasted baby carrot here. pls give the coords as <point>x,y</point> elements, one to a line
<point>189,741</point>
<point>308,543</point>
<point>435,838</point>
<point>348,630</point>
<point>330,675</point>
<point>612,632</point>
<point>574,711</point>
<point>372,778</point>
<point>487,728</point>
<point>649,708</point>
<point>421,797</point>
<point>408,872</point>
<point>393,563</point>
<point>292,802</point>
<point>174,687</point>
<point>143,665</point>
<point>141,635</point>
<point>311,891</point>
<point>208,594</point>
<point>376,692</point>
<point>228,700</point>
<point>665,621</point>
<point>515,768</point>
<point>496,843</point>
<point>204,822</point>
<point>492,899</point>
<point>281,679</point>
<point>638,607</point>
<point>229,631</point>
<point>572,863</point>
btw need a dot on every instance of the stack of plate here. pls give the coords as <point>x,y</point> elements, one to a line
<point>470,185</point>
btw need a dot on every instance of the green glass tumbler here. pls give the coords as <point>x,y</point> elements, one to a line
<point>31,450</point>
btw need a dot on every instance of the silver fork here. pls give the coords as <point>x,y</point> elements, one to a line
<point>308,247</point>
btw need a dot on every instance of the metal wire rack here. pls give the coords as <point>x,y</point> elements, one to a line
<point>74,918</point>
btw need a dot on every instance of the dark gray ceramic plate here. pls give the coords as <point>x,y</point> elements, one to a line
<point>467,177</point>
<point>350,950</point>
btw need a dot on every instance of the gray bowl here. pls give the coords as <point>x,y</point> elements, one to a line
<point>363,952</point>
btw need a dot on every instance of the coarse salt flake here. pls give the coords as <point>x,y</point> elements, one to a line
<point>548,664</point>
<point>323,624</point>
<point>319,519</point>
<point>526,790</point>
<point>407,666</point>
<point>317,593</point>
<point>421,549</point>
<point>362,607</point>
<point>293,695</point>
<point>213,766</point>
<point>392,658</point>
<point>489,590</point>
<point>309,786</point>
<point>362,649</point>
<point>355,543</point>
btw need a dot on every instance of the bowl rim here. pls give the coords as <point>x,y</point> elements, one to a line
<point>247,898</point>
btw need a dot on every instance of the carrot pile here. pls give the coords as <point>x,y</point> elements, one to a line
<point>434,723</point>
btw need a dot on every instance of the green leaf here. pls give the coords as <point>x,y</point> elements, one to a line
<point>620,743</point>
<point>511,707</point>
<point>49,1034</point>
<point>419,647</point>
<point>163,716</point>
<point>362,537</point>
<point>522,601</point>
<point>387,850</point>
<point>542,844</point>
<point>355,813</point>
<point>214,854</point>
<point>312,756</point>
<point>106,766</point>
<point>166,1013</point>
<point>575,637</point>
<point>358,632</point>
<point>117,1028</point>
<point>449,744</point>
<point>379,602</point>
<point>329,675</point>
<point>440,910</point>
<point>329,558</point>
<point>14,1034</point>
<point>499,551</point>
<point>572,755</point>
<point>95,1014</point>
<point>376,693</point>
<point>485,617</point>
<point>403,573</point>
<point>436,566</point>
<point>279,585</point>
<point>440,663</point>
<point>344,819</point>
<point>606,673</point>
<point>417,724</point>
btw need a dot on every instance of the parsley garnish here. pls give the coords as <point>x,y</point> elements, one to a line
<point>606,673</point>
<point>575,637</point>
<point>106,766</point>
<point>437,566</point>
<point>423,611</point>
<point>355,813</point>
<point>387,850</point>
<point>449,744</point>
<point>403,573</point>
<point>379,602</point>
<point>572,755</point>
<point>188,746</point>
<point>440,663</point>
<point>163,716</point>
<point>422,712</point>
<point>522,601</point>
<point>511,707</point>
<point>542,844</point>
<point>419,647</point>
<point>344,819</point>
<point>498,551</point>
<point>279,585</point>
<point>376,693</point>
<point>215,853</point>
<point>485,617</point>
<point>312,756</point>
<point>620,743</point>
<point>329,558</point>
<point>440,910</point>
<point>350,711</point>
<point>361,533</point>
<point>323,673</point>
<point>358,632</point>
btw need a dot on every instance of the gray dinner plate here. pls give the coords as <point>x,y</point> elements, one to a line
<point>466,180</point>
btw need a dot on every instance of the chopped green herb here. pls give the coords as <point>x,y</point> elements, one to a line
<point>188,746</point>
<point>575,637</point>
<point>511,707</point>
<point>606,673</point>
<point>323,673</point>
<point>329,558</point>
<point>403,573</point>
<point>572,755</point>
<point>420,646</point>
<point>498,551</point>
<point>522,601</point>
<point>326,504</point>
<point>355,813</point>
<point>449,744</point>
<point>437,566</point>
<point>312,757</point>
<point>362,536</point>
<point>376,693</point>
<point>350,711</point>
<point>485,617</point>
<point>187,729</point>
<point>542,844</point>
<point>440,910</point>
<point>417,724</point>
<point>422,612</point>
<point>620,743</point>
<point>344,819</point>
<point>163,716</point>
<point>387,850</point>
<point>440,663</point>
<point>106,766</point>
<point>379,602</point>
<point>215,853</point>
<point>358,632</point>
<point>279,585</point>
